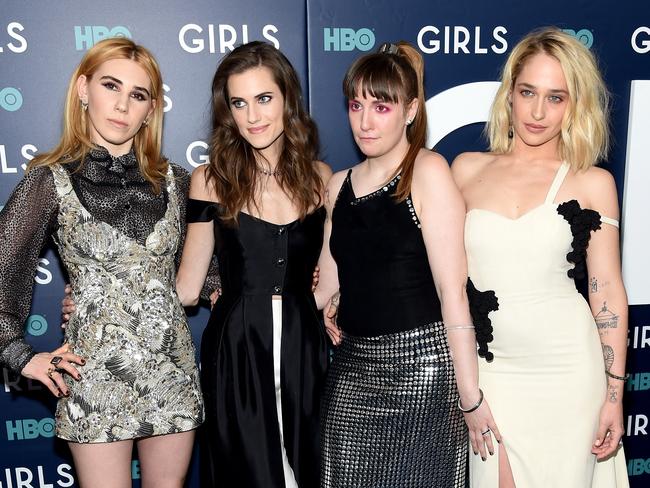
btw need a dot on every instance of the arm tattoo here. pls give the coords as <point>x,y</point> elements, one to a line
<point>595,286</point>
<point>608,355</point>
<point>606,319</point>
<point>612,393</point>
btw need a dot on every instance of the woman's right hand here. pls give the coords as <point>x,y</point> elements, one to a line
<point>330,313</point>
<point>42,368</point>
<point>67,305</point>
<point>478,422</point>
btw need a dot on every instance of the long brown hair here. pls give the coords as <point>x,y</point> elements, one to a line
<point>584,139</point>
<point>233,166</point>
<point>76,142</point>
<point>394,75</point>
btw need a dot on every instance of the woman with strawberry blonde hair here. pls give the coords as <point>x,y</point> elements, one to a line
<point>115,207</point>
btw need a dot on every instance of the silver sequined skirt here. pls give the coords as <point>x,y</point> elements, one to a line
<point>389,416</point>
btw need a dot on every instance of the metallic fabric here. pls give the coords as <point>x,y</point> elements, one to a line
<point>140,377</point>
<point>389,417</point>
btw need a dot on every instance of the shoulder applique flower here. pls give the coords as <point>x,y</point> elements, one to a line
<point>582,222</point>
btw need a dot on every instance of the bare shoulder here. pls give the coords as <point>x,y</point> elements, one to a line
<point>599,189</point>
<point>429,166</point>
<point>334,187</point>
<point>324,171</point>
<point>469,164</point>
<point>200,188</point>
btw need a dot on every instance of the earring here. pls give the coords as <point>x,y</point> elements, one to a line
<point>511,133</point>
<point>409,121</point>
<point>145,122</point>
<point>84,105</point>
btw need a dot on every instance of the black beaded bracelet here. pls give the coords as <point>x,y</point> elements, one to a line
<point>617,377</point>
<point>473,407</point>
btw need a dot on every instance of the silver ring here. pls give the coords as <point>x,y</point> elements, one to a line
<point>56,360</point>
<point>486,432</point>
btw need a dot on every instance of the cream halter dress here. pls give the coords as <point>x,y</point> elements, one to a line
<point>546,383</point>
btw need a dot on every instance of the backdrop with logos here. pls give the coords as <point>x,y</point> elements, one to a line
<point>464,44</point>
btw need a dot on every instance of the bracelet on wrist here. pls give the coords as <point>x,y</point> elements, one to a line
<point>473,407</point>
<point>459,327</point>
<point>617,377</point>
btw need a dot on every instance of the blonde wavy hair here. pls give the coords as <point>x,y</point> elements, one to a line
<point>584,137</point>
<point>75,142</point>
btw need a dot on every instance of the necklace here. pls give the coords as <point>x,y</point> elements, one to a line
<point>268,172</point>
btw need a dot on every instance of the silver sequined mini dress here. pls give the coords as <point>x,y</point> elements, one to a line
<point>140,378</point>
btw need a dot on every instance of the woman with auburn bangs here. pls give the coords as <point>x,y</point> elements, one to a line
<point>393,245</point>
<point>257,205</point>
<point>535,202</point>
<point>115,208</point>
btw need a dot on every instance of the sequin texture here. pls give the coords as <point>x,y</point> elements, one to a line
<point>389,413</point>
<point>140,377</point>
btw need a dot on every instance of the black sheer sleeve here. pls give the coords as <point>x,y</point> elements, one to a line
<point>26,221</point>
<point>182,177</point>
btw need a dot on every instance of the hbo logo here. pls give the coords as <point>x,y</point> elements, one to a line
<point>585,36</point>
<point>29,429</point>
<point>86,36</point>
<point>344,39</point>
<point>10,99</point>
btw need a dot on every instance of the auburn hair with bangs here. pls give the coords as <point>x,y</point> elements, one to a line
<point>396,77</point>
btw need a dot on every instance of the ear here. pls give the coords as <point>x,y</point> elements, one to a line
<point>82,88</point>
<point>412,109</point>
<point>153,107</point>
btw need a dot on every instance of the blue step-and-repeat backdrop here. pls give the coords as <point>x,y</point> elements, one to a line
<point>464,44</point>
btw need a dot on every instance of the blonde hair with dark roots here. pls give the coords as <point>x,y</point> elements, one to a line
<point>584,138</point>
<point>394,77</point>
<point>76,141</point>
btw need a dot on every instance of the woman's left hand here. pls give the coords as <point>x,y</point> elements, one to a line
<point>610,429</point>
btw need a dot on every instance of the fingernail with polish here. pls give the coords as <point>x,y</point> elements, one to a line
<point>482,458</point>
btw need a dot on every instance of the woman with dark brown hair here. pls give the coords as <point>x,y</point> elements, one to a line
<point>257,205</point>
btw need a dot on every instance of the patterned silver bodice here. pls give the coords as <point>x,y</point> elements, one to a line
<point>140,377</point>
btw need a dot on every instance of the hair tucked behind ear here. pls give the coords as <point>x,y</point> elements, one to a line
<point>76,142</point>
<point>584,139</point>
<point>396,76</point>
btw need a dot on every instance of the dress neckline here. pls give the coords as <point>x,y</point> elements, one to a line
<point>552,192</point>
<point>384,188</point>
<point>314,212</point>
<point>166,216</point>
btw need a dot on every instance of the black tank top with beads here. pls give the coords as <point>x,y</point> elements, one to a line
<point>384,274</point>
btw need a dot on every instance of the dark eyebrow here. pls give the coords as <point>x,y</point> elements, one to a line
<point>119,82</point>
<point>264,94</point>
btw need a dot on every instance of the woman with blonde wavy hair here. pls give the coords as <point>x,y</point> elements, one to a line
<point>115,207</point>
<point>555,369</point>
